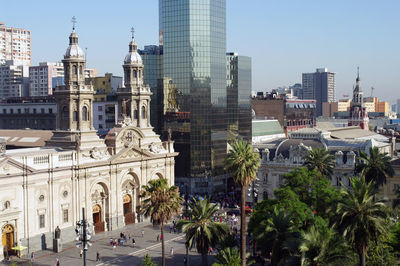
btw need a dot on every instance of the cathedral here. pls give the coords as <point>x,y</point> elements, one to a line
<point>358,113</point>
<point>45,188</point>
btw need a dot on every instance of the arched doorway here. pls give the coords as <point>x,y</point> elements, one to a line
<point>7,239</point>
<point>129,213</point>
<point>97,219</point>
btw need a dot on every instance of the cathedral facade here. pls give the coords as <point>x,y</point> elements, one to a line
<point>45,188</point>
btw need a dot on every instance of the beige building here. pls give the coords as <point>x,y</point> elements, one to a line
<point>45,188</point>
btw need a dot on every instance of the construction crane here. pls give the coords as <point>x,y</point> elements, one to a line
<point>372,91</point>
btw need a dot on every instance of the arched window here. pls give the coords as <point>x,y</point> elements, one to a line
<point>134,73</point>
<point>143,112</point>
<point>74,70</point>
<point>65,113</point>
<point>75,116</point>
<point>139,74</point>
<point>84,113</point>
<point>80,70</point>
<point>135,114</point>
<point>265,195</point>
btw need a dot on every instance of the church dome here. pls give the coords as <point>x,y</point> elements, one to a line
<point>73,50</point>
<point>133,57</point>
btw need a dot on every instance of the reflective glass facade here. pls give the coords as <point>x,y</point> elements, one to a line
<point>238,77</point>
<point>194,44</point>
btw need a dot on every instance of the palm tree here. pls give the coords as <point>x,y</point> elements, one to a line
<point>243,163</point>
<point>375,167</point>
<point>277,230</point>
<point>160,202</point>
<point>320,248</point>
<point>360,218</point>
<point>321,160</point>
<point>228,257</point>
<point>201,230</point>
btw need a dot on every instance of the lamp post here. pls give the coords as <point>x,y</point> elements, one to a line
<point>83,234</point>
<point>186,211</point>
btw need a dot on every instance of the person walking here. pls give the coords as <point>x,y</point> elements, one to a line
<point>142,233</point>
<point>32,257</point>
<point>170,228</point>
<point>171,251</point>
<point>158,238</point>
<point>57,262</point>
<point>97,256</point>
<point>133,242</point>
<point>80,253</point>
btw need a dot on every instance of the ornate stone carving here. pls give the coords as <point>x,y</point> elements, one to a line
<point>130,154</point>
<point>156,148</point>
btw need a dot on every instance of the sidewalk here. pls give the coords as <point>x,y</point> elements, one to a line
<point>100,242</point>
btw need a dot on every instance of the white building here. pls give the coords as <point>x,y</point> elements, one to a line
<point>14,80</point>
<point>15,44</point>
<point>41,78</point>
<point>45,188</point>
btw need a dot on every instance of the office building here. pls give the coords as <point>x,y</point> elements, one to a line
<point>14,80</point>
<point>238,78</point>
<point>105,88</point>
<point>319,86</point>
<point>15,44</point>
<point>152,56</point>
<point>193,35</point>
<point>41,78</point>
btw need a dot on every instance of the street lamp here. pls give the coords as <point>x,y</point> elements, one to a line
<point>83,235</point>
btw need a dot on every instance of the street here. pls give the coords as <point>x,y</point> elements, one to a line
<point>121,255</point>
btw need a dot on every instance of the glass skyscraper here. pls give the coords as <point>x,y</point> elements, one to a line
<point>193,36</point>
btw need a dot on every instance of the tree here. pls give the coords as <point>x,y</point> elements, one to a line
<point>320,160</point>
<point>375,167</point>
<point>201,230</point>
<point>361,219</point>
<point>243,163</point>
<point>147,261</point>
<point>228,257</point>
<point>322,247</point>
<point>276,231</point>
<point>160,202</point>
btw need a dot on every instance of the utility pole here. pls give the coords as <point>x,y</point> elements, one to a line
<point>84,236</point>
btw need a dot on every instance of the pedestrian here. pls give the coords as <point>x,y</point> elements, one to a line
<point>133,242</point>
<point>161,236</point>
<point>184,261</point>
<point>80,253</point>
<point>170,228</point>
<point>210,251</point>
<point>142,233</point>
<point>111,242</point>
<point>97,256</point>
<point>121,235</point>
<point>32,257</point>
<point>57,262</point>
<point>158,238</point>
<point>171,251</point>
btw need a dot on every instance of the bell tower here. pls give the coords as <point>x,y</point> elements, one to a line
<point>134,97</point>
<point>74,102</point>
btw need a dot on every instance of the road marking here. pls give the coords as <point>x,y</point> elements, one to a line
<point>142,250</point>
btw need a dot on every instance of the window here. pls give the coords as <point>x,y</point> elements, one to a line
<point>75,116</point>
<point>11,111</point>
<point>26,110</point>
<point>100,108</point>
<point>143,112</point>
<point>19,110</point>
<point>41,221</point>
<point>100,117</point>
<point>50,111</point>
<point>65,113</point>
<point>42,110</point>
<point>4,111</point>
<point>84,113</point>
<point>34,110</point>
<point>74,70</point>
<point>65,216</point>
<point>135,114</point>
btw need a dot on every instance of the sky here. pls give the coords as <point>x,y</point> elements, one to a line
<point>284,38</point>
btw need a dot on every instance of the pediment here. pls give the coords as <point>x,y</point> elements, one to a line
<point>9,166</point>
<point>132,152</point>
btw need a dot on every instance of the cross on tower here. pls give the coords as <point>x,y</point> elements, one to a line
<point>133,32</point>
<point>73,22</point>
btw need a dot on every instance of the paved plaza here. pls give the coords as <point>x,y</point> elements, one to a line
<point>121,255</point>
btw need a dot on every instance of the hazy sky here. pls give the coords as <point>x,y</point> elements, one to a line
<point>284,38</point>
